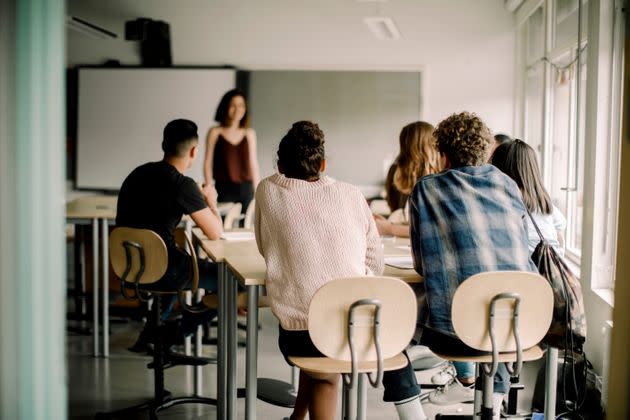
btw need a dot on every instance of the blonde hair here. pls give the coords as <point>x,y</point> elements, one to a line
<point>418,156</point>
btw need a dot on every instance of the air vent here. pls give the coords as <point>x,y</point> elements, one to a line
<point>382,28</point>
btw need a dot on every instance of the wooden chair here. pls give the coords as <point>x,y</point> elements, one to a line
<point>504,313</point>
<point>139,258</point>
<point>232,216</point>
<point>361,325</point>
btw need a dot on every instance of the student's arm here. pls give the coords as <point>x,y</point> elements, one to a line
<point>374,252</point>
<point>211,142</point>
<point>209,219</point>
<point>414,225</point>
<point>388,228</point>
<point>560,224</point>
<point>209,223</point>
<point>253,158</point>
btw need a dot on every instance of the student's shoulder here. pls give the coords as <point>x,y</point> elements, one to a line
<point>346,189</point>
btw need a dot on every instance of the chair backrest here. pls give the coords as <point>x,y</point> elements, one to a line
<point>232,216</point>
<point>249,215</point>
<point>328,317</point>
<point>470,311</point>
<point>124,253</point>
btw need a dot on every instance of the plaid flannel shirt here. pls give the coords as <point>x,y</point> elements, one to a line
<point>465,221</point>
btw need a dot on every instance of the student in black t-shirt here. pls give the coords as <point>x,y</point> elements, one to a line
<point>156,195</point>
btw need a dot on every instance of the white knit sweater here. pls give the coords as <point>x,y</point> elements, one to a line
<point>310,233</point>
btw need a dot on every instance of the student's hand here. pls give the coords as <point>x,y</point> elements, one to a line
<point>210,194</point>
<point>382,225</point>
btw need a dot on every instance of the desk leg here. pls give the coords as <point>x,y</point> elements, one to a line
<point>221,343</point>
<point>105,269</point>
<point>551,380</point>
<point>251,368</point>
<point>95,286</point>
<point>199,350</point>
<point>231,347</point>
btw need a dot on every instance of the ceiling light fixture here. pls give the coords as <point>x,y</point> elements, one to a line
<point>382,27</point>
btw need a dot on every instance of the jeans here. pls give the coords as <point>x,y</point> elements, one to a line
<point>178,276</point>
<point>442,342</point>
<point>399,384</point>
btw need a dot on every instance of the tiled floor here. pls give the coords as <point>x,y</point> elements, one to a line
<point>97,384</point>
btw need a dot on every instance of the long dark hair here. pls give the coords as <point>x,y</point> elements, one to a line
<point>517,159</point>
<point>221,114</point>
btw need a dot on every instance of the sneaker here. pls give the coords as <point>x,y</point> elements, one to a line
<point>444,376</point>
<point>453,393</point>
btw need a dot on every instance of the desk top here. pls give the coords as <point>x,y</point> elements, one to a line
<point>246,263</point>
<point>92,207</point>
<point>104,207</point>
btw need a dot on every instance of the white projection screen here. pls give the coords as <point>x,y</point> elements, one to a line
<point>122,112</point>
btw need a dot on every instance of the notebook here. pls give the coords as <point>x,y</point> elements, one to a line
<point>400,261</point>
<point>238,236</point>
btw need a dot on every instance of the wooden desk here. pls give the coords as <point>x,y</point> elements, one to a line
<point>97,211</point>
<point>242,261</point>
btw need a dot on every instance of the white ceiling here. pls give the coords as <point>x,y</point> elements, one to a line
<point>257,34</point>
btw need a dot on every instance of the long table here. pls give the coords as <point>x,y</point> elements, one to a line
<point>239,261</point>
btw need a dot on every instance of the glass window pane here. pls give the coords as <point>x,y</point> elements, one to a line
<point>575,240</point>
<point>535,36</point>
<point>533,108</point>
<point>567,22</point>
<point>560,150</point>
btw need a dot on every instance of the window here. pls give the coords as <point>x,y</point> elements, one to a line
<point>567,144</point>
<point>554,42</point>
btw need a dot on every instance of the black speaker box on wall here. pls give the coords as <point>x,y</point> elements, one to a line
<point>155,41</point>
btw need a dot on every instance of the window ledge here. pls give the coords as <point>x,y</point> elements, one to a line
<point>607,295</point>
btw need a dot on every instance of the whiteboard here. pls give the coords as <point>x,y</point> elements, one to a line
<point>122,112</point>
<point>360,112</point>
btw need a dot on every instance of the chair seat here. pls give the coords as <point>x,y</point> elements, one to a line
<point>212,301</point>
<point>327,365</point>
<point>533,353</point>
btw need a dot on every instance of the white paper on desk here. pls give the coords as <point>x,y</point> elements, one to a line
<point>400,261</point>
<point>238,236</point>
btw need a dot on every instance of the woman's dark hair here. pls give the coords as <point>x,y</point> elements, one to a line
<point>518,160</point>
<point>221,115</point>
<point>301,151</point>
<point>178,136</point>
<point>502,138</point>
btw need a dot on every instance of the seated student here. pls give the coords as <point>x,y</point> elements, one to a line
<point>394,198</point>
<point>467,219</point>
<point>518,160</point>
<point>312,229</point>
<point>418,157</point>
<point>499,139</point>
<point>155,196</point>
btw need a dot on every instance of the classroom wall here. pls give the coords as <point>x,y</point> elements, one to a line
<point>465,49</point>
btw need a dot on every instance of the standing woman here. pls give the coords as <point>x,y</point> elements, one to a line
<point>231,151</point>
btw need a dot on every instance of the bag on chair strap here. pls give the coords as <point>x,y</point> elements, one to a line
<point>568,325</point>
